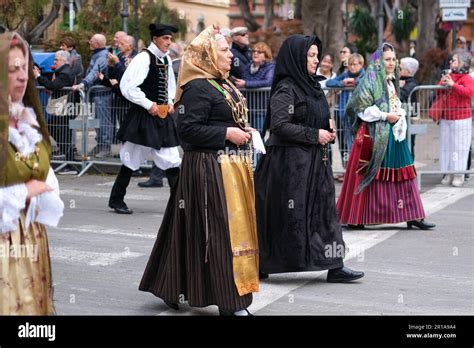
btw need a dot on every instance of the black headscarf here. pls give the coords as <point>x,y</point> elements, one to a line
<point>291,64</point>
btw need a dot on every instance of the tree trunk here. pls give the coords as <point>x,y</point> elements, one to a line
<point>34,35</point>
<point>315,17</point>
<point>250,22</point>
<point>324,18</point>
<point>268,20</point>
<point>427,12</point>
<point>298,9</point>
<point>335,31</point>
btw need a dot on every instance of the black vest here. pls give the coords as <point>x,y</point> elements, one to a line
<point>155,85</point>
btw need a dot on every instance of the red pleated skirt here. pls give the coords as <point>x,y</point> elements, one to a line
<point>383,201</point>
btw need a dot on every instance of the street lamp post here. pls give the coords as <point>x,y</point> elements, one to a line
<point>124,14</point>
<point>71,15</point>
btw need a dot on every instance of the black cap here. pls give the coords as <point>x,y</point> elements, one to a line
<point>161,29</point>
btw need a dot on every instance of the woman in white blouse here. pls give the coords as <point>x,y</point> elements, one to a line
<point>379,186</point>
<point>325,70</point>
<point>29,192</point>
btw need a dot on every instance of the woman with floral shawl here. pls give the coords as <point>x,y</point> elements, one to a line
<point>380,187</point>
<point>206,251</point>
<point>29,193</point>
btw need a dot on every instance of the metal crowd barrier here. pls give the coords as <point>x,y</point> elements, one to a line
<point>94,127</point>
<point>337,99</point>
<point>446,158</point>
<point>64,125</point>
<point>257,100</point>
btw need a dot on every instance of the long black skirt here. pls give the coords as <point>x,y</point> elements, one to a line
<point>297,221</point>
<point>178,267</point>
<point>139,127</point>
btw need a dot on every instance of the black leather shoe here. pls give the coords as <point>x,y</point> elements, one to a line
<point>262,275</point>
<point>343,275</point>
<point>172,305</point>
<point>224,313</point>
<point>355,227</point>
<point>151,183</point>
<point>121,209</point>
<point>422,224</point>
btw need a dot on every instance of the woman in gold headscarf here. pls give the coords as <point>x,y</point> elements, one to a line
<point>206,251</point>
<point>29,193</point>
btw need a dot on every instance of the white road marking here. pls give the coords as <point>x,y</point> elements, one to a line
<point>96,194</point>
<point>280,285</point>
<point>101,230</point>
<point>108,183</point>
<point>91,258</point>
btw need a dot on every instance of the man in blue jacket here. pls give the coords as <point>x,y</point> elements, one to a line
<point>100,100</point>
<point>241,51</point>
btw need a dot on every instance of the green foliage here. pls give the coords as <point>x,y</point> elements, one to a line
<point>13,12</point>
<point>363,25</point>
<point>158,12</point>
<point>81,37</point>
<point>403,23</point>
<point>104,17</point>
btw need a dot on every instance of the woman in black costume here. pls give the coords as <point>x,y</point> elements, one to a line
<point>297,221</point>
<point>207,247</point>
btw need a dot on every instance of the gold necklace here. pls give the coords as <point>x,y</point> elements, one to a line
<point>238,108</point>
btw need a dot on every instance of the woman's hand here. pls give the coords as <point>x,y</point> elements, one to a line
<point>393,117</point>
<point>237,136</point>
<point>113,82</point>
<point>250,129</point>
<point>348,82</point>
<point>36,187</point>
<point>100,76</point>
<point>447,80</point>
<point>325,137</point>
<point>239,83</point>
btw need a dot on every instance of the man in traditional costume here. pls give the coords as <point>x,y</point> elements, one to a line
<point>147,128</point>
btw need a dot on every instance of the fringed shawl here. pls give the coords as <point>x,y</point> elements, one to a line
<point>372,90</point>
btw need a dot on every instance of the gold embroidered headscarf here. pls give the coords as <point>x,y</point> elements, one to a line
<point>200,60</point>
<point>30,99</point>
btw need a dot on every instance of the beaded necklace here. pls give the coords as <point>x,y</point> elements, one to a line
<point>239,114</point>
<point>239,108</point>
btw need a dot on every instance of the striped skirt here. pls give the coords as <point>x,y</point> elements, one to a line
<point>392,197</point>
<point>192,259</point>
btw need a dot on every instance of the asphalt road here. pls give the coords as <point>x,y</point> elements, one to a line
<point>98,258</point>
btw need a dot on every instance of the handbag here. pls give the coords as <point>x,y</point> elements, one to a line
<point>58,106</point>
<point>436,110</point>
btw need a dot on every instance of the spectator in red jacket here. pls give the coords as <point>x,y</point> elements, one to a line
<point>456,118</point>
